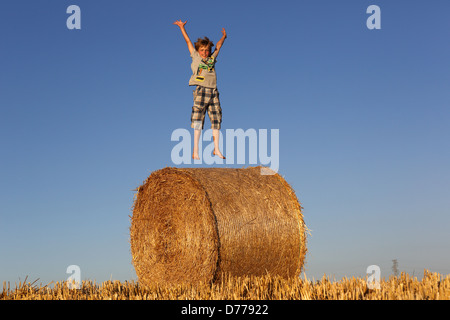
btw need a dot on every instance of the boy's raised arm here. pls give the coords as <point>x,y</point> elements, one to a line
<point>220,43</point>
<point>185,35</point>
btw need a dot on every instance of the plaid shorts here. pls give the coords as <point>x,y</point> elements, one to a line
<point>206,99</point>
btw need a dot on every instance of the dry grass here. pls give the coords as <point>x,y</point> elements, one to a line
<point>432,286</point>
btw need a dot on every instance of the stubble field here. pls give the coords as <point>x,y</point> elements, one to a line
<point>432,286</point>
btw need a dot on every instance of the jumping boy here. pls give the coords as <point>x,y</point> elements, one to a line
<point>206,95</point>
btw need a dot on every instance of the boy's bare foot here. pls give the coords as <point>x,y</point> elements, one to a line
<point>195,156</point>
<point>219,154</point>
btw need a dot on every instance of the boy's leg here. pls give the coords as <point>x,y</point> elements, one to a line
<point>216,137</point>
<point>199,108</point>
<point>198,117</point>
<point>215,111</point>
<point>215,115</point>
<point>197,133</point>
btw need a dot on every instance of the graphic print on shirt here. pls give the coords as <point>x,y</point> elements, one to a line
<point>205,64</point>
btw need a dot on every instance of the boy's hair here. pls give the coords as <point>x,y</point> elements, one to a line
<point>205,42</point>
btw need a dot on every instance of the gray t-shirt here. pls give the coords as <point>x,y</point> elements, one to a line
<point>203,72</point>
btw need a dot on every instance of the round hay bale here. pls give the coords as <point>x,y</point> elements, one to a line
<point>198,224</point>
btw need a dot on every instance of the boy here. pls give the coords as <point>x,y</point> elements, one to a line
<point>206,95</point>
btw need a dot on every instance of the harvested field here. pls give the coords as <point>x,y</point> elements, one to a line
<point>432,286</point>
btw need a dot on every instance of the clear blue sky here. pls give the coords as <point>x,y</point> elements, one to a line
<point>363,115</point>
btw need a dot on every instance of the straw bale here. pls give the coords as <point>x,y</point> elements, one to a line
<point>198,224</point>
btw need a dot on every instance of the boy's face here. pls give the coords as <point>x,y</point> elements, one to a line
<point>204,51</point>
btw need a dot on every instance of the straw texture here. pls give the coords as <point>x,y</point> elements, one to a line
<point>197,224</point>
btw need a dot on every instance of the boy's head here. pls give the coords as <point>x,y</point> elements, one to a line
<point>204,46</point>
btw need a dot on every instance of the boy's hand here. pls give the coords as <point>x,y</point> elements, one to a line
<point>185,35</point>
<point>180,23</point>
<point>220,43</point>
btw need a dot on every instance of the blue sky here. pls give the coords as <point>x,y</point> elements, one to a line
<point>86,115</point>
